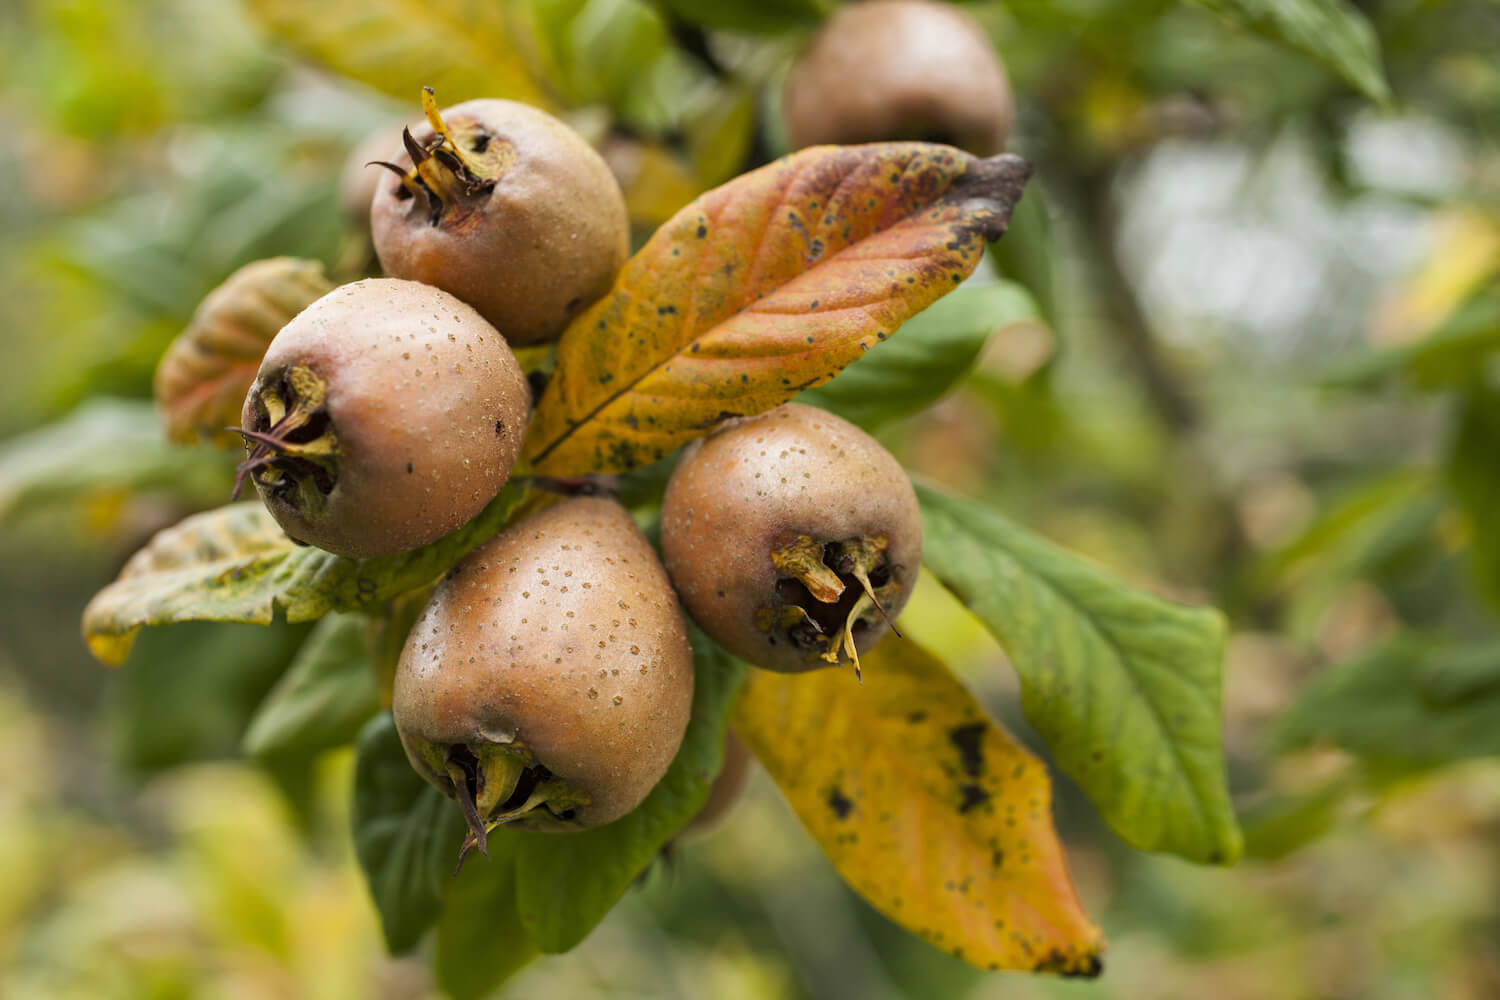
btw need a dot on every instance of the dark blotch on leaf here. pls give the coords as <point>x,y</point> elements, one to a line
<point>840,805</point>
<point>969,740</point>
<point>974,796</point>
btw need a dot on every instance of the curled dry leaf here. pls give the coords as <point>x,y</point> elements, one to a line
<point>203,377</point>
<point>925,806</point>
<point>764,287</point>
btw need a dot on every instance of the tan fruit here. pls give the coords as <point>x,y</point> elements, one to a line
<point>384,416</point>
<point>900,69</point>
<point>549,681</point>
<point>507,208</point>
<point>793,538</point>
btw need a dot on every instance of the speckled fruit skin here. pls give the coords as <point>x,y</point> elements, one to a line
<point>561,634</point>
<point>750,487</point>
<point>547,241</point>
<point>900,69</point>
<point>428,404</point>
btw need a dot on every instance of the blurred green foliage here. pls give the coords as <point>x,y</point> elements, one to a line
<point>1337,497</point>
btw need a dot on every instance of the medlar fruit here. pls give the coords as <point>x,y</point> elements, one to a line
<point>549,681</point>
<point>793,538</point>
<point>900,69</point>
<point>384,416</point>
<point>507,208</point>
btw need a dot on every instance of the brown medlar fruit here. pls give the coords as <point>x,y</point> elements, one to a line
<point>507,208</point>
<point>384,416</point>
<point>793,538</point>
<point>549,681</point>
<point>900,69</point>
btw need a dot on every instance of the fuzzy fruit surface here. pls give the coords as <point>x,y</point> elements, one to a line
<point>537,233</point>
<point>400,413</point>
<point>900,69</point>
<point>765,513</point>
<point>550,673</point>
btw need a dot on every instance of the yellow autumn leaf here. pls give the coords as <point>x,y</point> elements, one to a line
<point>925,806</point>
<point>461,50</point>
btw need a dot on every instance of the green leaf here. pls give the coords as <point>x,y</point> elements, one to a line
<point>1025,255</point>
<point>481,941</point>
<point>406,835</point>
<point>463,50</point>
<point>188,691</point>
<point>567,883</point>
<point>324,697</point>
<point>1359,531</point>
<point>931,351</point>
<point>1398,706</point>
<point>769,17</point>
<point>106,448</point>
<point>1123,686</point>
<point>1333,32</point>
<point>1281,825</point>
<point>1473,472</point>
<point>1452,354</point>
<point>236,564</point>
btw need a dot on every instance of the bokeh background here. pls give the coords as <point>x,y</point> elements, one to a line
<point>1266,376</point>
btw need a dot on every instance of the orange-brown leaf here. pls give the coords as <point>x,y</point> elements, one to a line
<point>203,377</point>
<point>763,287</point>
<point>926,806</point>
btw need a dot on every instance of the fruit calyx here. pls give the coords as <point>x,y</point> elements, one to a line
<point>453,168</point>
<point>828,591</point>
<point>295,450</point>
<point>497,782</point>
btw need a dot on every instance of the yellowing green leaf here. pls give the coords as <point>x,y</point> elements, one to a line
<point>1123,686</point>
<point>764,287</point>
<point>463,50</point>
<point>235,564</point>
<point>203,378</point>
<point>925,806</point>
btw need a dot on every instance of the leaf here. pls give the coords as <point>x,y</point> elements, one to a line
<point>761,288</point>
<point>1335,33</point>
<point>566,884</point>
<point>769,17</point>
<point>1398,708</point>
<point>203,377</point>
<point>107,448</point>
<point>1123,686</point>
<point>190,690</point>
<point>934,349</point>
<point>1026,255</point>
<point>462,50</point>
<point>235,564</point>
<point>925,806</point>
<point>481,941</point>
<point>1473,474</point>
<point>406,835</point>
<point>1452,354</point>
<point>324,697</point>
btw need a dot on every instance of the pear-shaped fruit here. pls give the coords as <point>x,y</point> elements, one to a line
<point>900,69</point>
<point>793,538</point>
<point>549,681</point>
<point>507,208</point>
<point>384,416</point>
